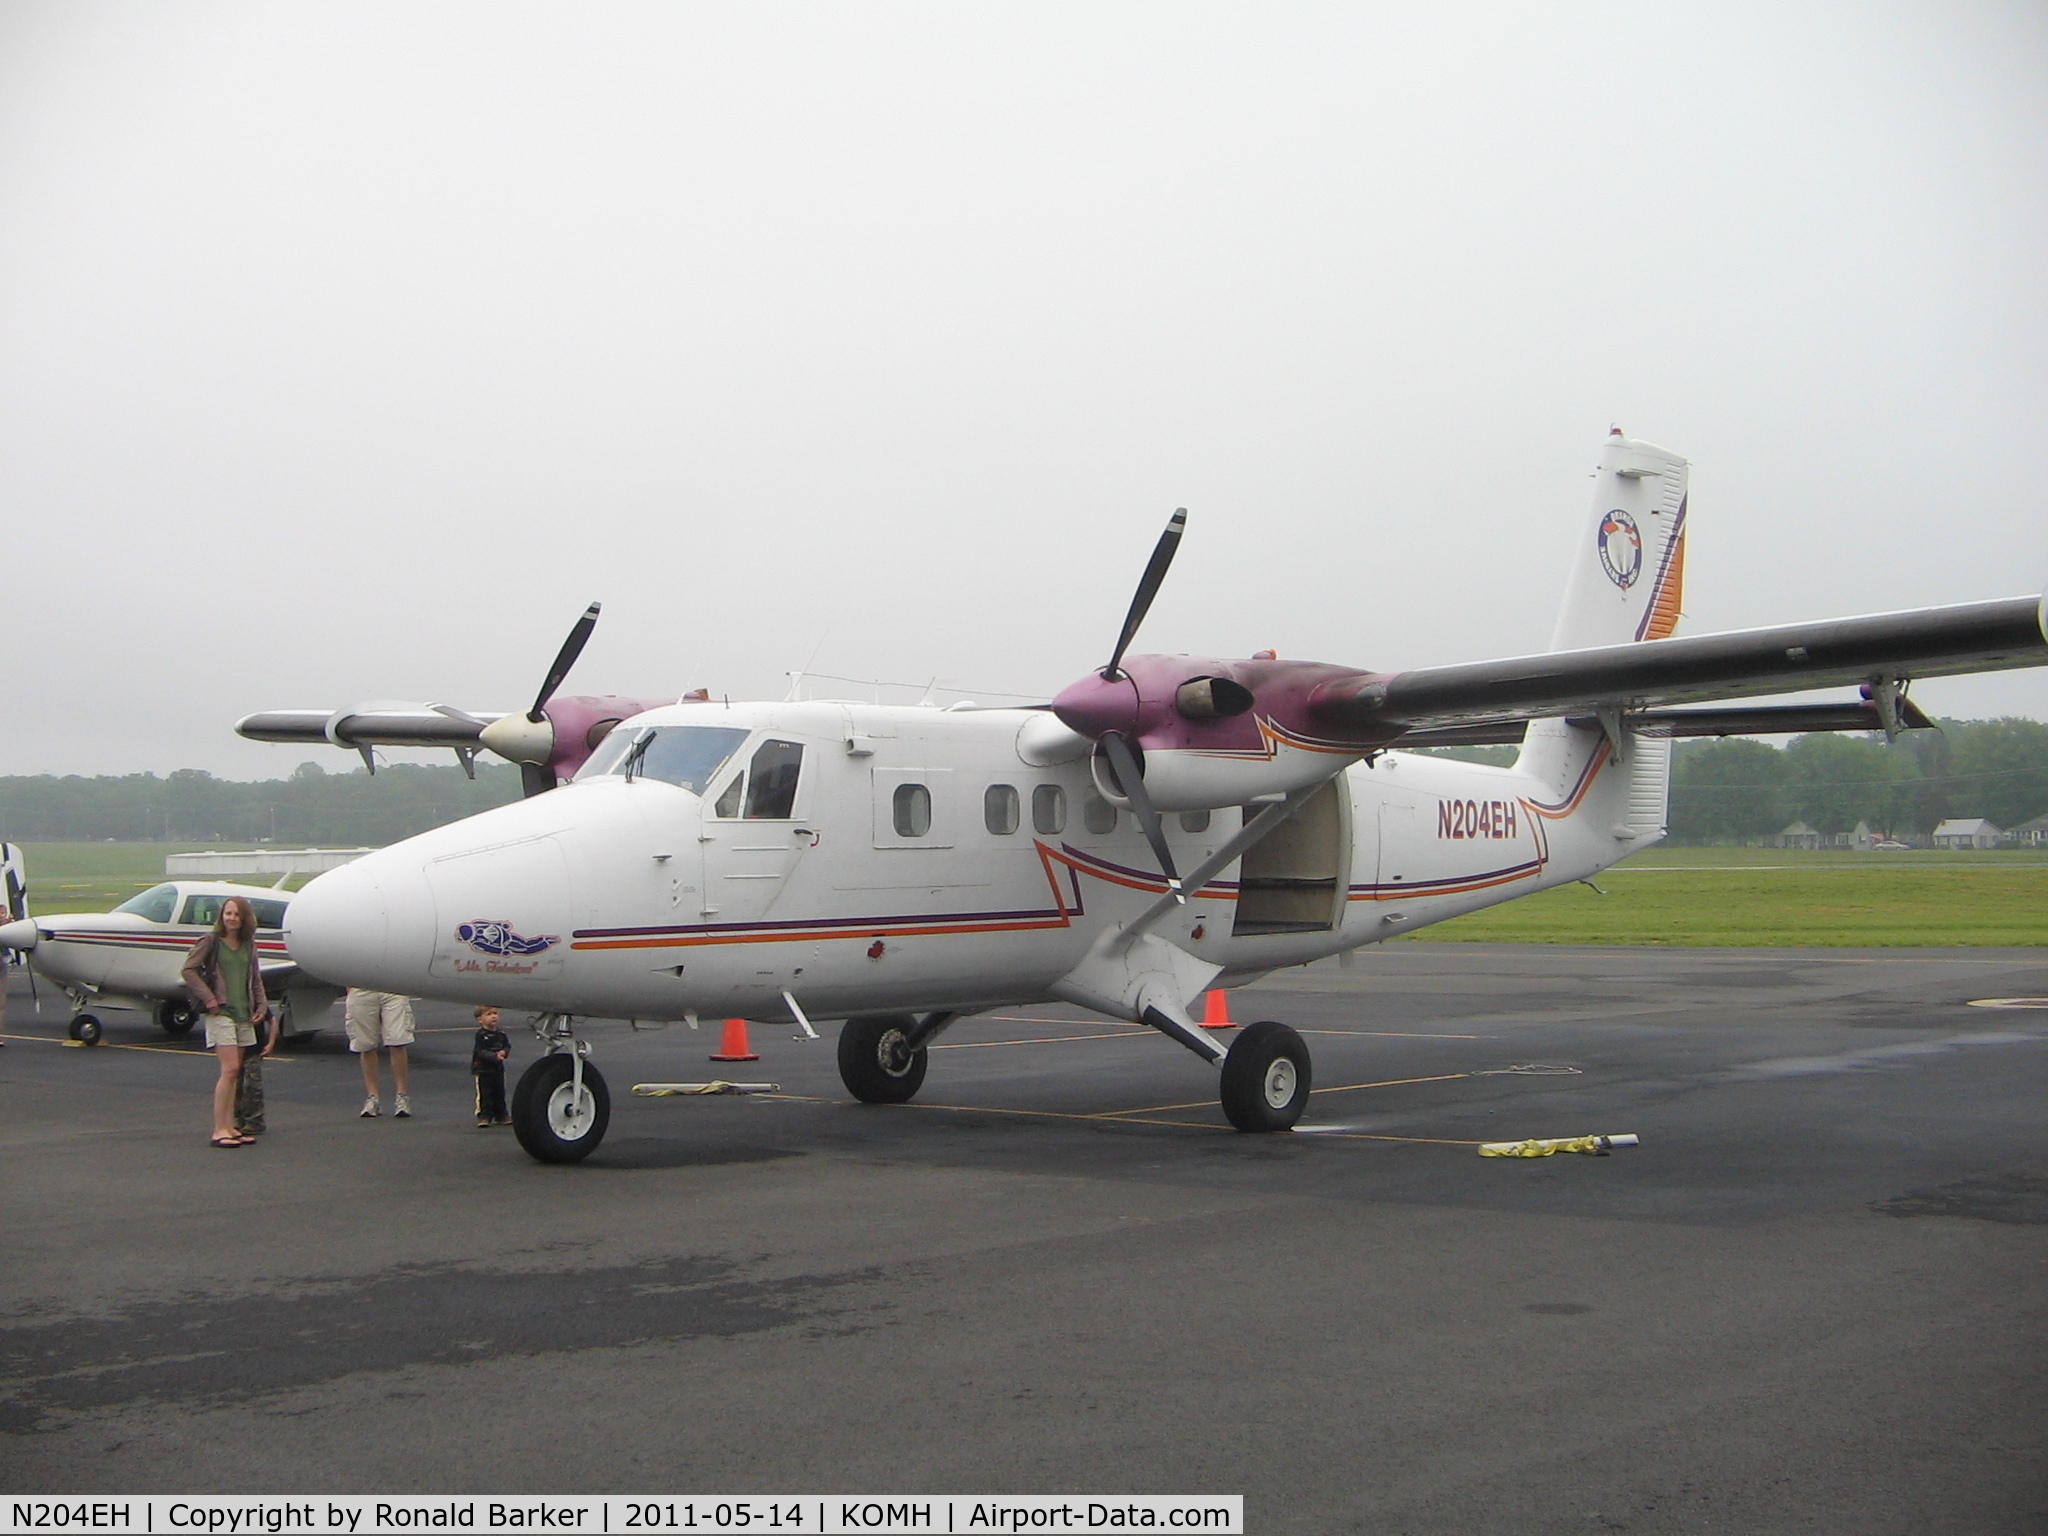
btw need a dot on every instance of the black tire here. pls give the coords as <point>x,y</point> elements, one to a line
<point>1265,1078</point>
<point>85,1029</point>
<point>175,1017</point>
<point>541,1114</point>
<point>873,1061</point>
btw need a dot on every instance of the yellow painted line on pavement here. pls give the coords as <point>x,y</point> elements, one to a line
<point>1392,1082</point>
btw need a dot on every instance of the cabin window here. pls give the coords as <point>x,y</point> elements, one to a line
<point>205,910</point>
<point>1048,810</point>
<point>1098,815</point>
<point>999,809</point>
<point>684,755</point>
<point>1194,821</point>
<point>157,903</point>
<point>771,780</point>
<point>912,809</point>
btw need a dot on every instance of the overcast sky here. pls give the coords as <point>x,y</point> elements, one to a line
<point>347,351</point>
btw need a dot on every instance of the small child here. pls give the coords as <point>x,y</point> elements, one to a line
<point>487,1063</point>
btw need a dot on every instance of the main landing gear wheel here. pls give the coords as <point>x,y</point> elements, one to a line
<point>85,1029</point>
<point>1265,1078</point>
<point>176,1018</point>
<point>552,1121</point>
<point>875,1059</point>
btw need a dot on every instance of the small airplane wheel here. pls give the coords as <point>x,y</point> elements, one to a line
<point>875,1059</point>
<point>1265,1078</point>
<point>176,1018</point>
<point>552,1121</point>
<point>85,1029</point>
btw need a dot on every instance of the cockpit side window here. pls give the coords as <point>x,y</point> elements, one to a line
<point>157,903</point>
<point>269,914</point>
<point>771,780</point>
<point>202,909</point>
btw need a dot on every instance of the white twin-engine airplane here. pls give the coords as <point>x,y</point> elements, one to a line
<point>1166,825</point>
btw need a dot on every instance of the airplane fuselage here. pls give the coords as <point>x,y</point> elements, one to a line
<point>865,858</point>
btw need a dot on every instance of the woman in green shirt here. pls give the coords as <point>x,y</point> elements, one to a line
<point>226,983</point>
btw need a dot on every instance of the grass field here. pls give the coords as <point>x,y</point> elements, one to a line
<point>97,877</point>
<point>1706,896</point>
<point>1768,896</point>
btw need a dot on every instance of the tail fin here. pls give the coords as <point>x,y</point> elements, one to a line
<point>13,884</point>
<point>1627,568</point>
<point>1624,584</point>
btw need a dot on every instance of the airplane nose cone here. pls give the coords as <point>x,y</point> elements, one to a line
<point>366,924</point>
<point>21,935</point>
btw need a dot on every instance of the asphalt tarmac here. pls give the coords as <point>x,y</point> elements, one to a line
<point>1812,1300</point>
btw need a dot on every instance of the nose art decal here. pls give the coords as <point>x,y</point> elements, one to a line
<point>497,938</point>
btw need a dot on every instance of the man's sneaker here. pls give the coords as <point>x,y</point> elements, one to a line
<point>402,1107</point>
<point>370,1108</point>
<point>483,1125</point>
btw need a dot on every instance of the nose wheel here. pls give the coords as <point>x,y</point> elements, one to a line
<point>560,1113</point>
<point>85,1029</point>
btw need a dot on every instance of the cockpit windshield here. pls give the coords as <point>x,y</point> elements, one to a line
<point>686,755</point>
<point>157,903</point>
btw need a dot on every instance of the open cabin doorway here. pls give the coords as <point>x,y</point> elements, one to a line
<point>1295,880</point>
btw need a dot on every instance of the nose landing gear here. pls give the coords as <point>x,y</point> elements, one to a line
<point>561,1106</point>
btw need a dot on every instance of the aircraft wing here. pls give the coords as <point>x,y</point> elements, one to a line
<point>371,726</point>
<point>1876,648</point>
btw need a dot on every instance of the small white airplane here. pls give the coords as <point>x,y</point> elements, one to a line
<point>1165,825</point>
<point>131,957</point>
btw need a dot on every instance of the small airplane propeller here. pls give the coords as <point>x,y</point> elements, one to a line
<point>529,739</point>
<point>1148,588</point>
<point>1124,763</point>
<point>1130,778</point>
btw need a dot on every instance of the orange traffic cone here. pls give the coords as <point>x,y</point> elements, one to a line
<point>1215,1012</point>
<point>732,1045</point>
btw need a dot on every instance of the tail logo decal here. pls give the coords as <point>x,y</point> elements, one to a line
<point>1621,549</point>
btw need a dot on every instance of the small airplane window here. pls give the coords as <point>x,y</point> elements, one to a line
<point>1048,810</point>
<point>202,909</point>
<point>1194,821</point>
<point>771,780</point>
<point>269,914</point>
<point>1098,814</point>
<point>729,802</point>
<point>912,805</point>
<point>999,809</point>
<point>157,903</point>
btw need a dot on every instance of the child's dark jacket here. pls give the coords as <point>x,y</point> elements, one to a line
<point>483,1055</point>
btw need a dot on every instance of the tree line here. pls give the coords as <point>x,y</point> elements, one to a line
<point>311,808</point>
<point>1721,791</point>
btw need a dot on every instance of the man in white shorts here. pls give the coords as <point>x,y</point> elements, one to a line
<point>380,1020</point>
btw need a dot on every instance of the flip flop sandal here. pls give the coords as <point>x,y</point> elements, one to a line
<point>229,1141</point>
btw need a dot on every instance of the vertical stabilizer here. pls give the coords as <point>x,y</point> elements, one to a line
<point>13,884</point>
<point>1623,584</point>
<point>1628,564</point>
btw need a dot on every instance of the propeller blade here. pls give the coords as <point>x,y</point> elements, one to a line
<point>579,636</point>
<point>1130,778</point>
<point>535,779</point>
<point>1148,587</point>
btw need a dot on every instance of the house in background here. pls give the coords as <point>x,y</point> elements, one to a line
<point>1798,835</point>
<point>1967,832</point>
<point>2031,834</point>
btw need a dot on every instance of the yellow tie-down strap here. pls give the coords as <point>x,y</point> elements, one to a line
<point>1599,1146</point>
